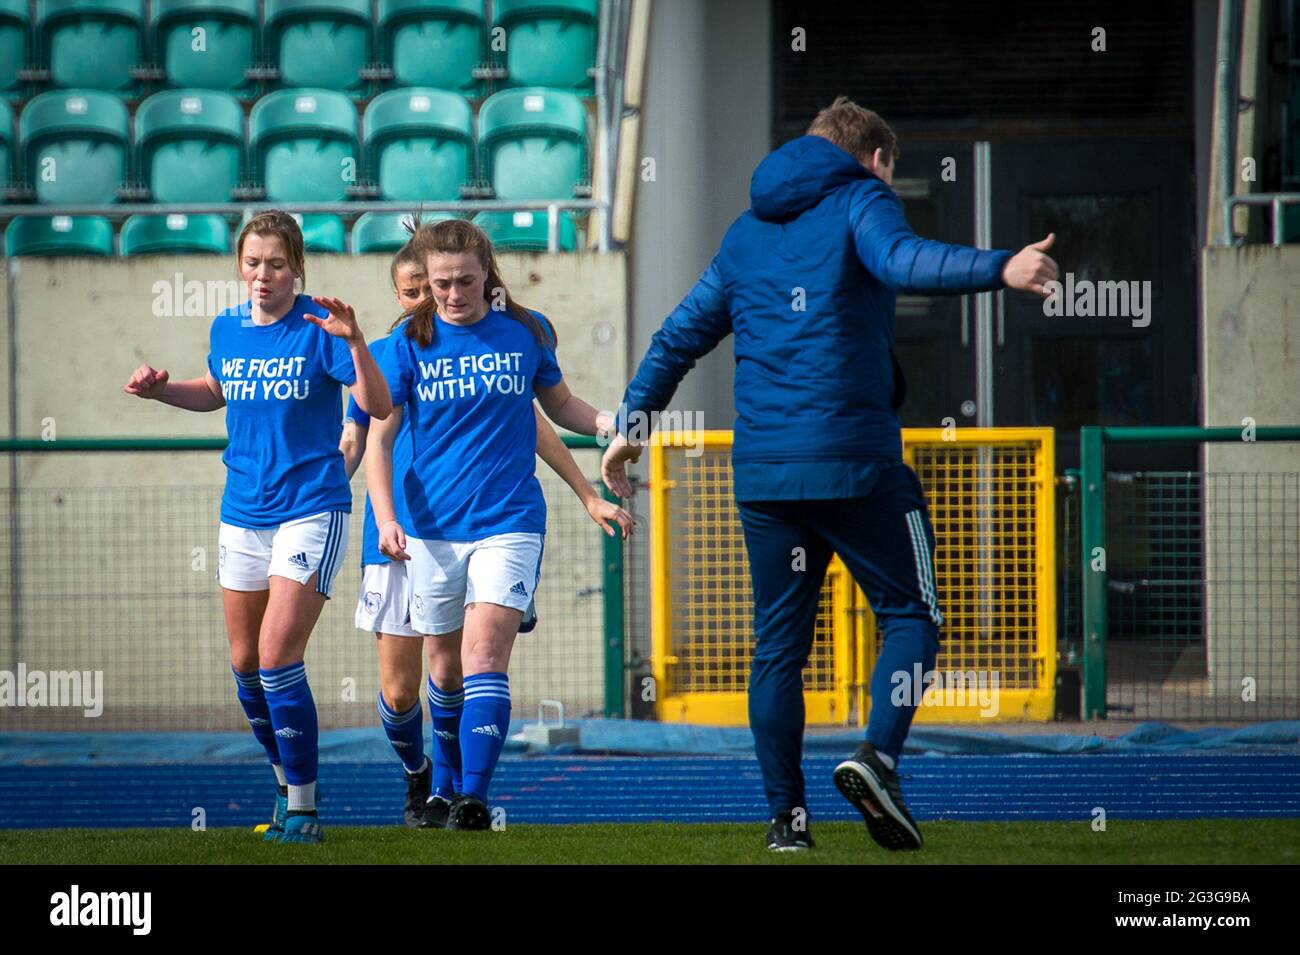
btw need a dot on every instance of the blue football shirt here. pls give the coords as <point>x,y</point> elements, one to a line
<point>473,435</point>
<point>281,385</point>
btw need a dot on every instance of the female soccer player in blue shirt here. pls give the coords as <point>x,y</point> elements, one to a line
<point>276,363</point>
<point>383,607</point>
<point>465,371</point>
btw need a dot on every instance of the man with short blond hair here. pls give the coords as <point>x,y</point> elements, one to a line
<point>855,129</point>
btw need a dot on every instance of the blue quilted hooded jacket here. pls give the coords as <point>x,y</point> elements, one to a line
<point>806,280</point>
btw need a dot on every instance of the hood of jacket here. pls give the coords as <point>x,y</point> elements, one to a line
<point>798,175</point>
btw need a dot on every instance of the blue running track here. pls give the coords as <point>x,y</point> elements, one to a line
<point>573,789</point>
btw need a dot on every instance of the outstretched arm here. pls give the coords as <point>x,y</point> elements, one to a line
<point>691,331</point>
<point>900,258</point>
<point>551,449</point>
<point>570,412</point>
<point>196,394</point>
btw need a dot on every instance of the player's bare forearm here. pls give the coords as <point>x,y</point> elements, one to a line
<point>192,395</point>
<point>570,412</point>
<point>371,389</point>
<point>353,446</point>
<point>551,449</point>
<point>379,467</point>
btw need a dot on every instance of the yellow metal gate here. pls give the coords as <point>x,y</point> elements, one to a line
<point>991,498</point>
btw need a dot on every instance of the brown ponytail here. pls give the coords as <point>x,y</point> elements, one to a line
<point>408,254</point>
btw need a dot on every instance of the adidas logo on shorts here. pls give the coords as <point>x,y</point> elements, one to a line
<point>300,560</point>
<point>519,589</point>
<point>489,730</point>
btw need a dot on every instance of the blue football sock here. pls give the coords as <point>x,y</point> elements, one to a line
<point>483,729</point>
<point>248,688</point>
<point>293,714</point>
<point>446,709</point>
<point>908,642</point>
<point>405,731</point>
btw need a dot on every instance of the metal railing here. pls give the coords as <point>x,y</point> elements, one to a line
<point>1274,200</point>
<point>246,210</point>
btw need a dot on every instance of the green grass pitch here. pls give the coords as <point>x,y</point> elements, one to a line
<point>1185,842</point>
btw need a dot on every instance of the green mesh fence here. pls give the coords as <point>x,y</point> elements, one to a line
<point>1194,611</point>
<point>120,581</point>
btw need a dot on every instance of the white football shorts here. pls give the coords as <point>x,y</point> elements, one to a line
<point>385,602</point>
<point>247,557</point>
<point>504,569</point>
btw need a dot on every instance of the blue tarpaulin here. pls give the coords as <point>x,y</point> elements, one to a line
<point>638,737</point>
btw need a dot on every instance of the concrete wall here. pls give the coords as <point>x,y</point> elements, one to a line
<point>113,552</point>
<point>6,405</point>
<point>706,121</point>
<point>82,326</point>
<point>1251,327</point>
<point>1251,368</point>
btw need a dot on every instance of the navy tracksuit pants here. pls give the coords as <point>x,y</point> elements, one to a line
<point>887,543</point>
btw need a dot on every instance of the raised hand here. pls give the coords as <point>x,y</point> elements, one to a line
<point>342,321</point>
<point>146,382</point>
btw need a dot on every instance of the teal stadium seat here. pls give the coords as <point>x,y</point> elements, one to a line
<point>190,145</point>
<point>7,171</point>
<point>384,232</point>
<point>304,145</point>
<point>549,42</point>
<point>74,146</point>
<point>434,43</point>
<point>15,45</point>
<point>226,46</point>
<point>526,231</point>
<point>91,44</point>
<point>320,43</point>
<point>419,143</point>
<point>59,235</point>
<point>175,234</point>
<point>533,143</point>
<point>322,233</point>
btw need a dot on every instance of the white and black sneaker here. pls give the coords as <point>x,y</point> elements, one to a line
<point>782,836</point>
<point>872,787</point>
